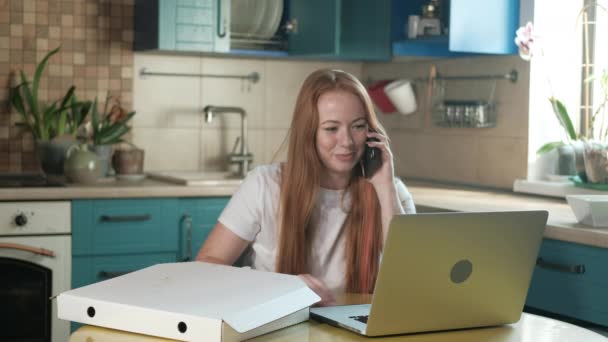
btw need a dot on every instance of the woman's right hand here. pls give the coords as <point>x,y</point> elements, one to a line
<point>315,284</point>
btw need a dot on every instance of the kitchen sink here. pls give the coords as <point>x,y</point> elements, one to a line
<point>197,177</point>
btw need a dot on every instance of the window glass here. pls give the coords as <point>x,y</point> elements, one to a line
<point>555,70</point>
<point>600,59</point>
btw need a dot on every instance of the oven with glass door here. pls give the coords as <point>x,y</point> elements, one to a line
<point>35,264</point>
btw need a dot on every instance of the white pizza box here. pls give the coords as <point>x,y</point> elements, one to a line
<point>192,301</point>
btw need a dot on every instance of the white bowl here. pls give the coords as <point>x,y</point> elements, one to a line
<point>591,210</point>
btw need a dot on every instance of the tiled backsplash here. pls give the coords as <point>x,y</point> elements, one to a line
<point>484,156</point>
<point>170,125</point>
<point>96,56</point>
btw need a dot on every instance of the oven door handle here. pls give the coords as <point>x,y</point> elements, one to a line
<point>35,250</point>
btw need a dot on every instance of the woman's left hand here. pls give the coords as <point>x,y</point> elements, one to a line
<point>383,177</point>
<point>384,184</point>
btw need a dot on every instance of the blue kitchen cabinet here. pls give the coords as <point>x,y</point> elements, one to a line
<point>341,29</point>
<point>324,29</point>
<point>182,25</point>
<point>475,27</point>
<point>570,280</point>
<point>197,219</point>
<point>112,237</point>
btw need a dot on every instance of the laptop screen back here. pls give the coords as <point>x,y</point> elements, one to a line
<point>446,271</point>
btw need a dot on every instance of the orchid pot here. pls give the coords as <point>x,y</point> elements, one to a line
<point>596,162</point>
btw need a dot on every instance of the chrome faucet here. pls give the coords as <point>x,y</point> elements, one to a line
<point>243,158</point>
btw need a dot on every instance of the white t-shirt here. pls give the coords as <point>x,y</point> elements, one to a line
<point>251,214</point>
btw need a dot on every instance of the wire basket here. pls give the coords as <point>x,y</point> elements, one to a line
<point>466,114</point>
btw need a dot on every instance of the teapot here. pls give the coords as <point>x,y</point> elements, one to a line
<point>81,165</point>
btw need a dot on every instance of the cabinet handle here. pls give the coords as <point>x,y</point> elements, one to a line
<point>291,27</point>
<point>221,21</point>
<point>187,219</point>
<point>125,218</point>
<point>576,269</point>
<point>111,274</point>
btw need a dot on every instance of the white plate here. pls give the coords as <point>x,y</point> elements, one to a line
<point>272,18</point>
<point>132,178</point>
<point>255,18</point>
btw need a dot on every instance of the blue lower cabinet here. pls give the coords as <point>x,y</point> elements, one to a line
<point>571,280</point>
<point>111,237</point>
<point>198,217</point>
<point>120,226</point>
<point>114,237</point>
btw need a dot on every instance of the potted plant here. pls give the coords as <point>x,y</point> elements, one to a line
<point>589,148</point>
<point>53,125</point>
<point>595,144</point>
<point>107,129</point>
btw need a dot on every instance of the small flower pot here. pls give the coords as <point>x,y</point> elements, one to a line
<point>596,162</point>
<point>104,153</point>
<point>128,162</point>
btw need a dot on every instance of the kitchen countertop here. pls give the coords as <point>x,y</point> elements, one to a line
<point>112,189</point>
<point>562,224</point>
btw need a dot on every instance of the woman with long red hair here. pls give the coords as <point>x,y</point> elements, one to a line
<point>318,215</point>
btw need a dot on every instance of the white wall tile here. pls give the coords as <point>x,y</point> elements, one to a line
<point>169,115</point>
<point>166,101</point>
<point>218,143</point>
<point>275,145</point>
<point>424,147</point>
<point>448,158</point>
<point>284,79</point>
<point>233,92</point>
<point>408,159</point>
<point>501,161</point>
<point>168,148</point>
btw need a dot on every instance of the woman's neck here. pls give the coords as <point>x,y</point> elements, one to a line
<point>334,181</point>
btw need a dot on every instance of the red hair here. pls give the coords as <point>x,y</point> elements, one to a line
<point>300,182</point>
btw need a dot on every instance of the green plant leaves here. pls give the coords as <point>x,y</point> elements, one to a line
<point>46,121</point>
<point>561,113</point>
<point>17,102</point>
<point>24,98</point>
<point>39,69</point>
<point>548,147</point>
<point>104,131</point>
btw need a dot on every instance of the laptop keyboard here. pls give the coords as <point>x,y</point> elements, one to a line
<point>362,319</point>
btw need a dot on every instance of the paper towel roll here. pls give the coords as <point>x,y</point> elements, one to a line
<point>401,94</point>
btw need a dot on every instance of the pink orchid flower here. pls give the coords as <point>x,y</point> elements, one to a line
<point>525,38</point>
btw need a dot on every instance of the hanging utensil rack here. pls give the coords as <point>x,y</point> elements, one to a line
<point>253,77</point>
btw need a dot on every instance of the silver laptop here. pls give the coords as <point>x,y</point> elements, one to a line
<point>445,271</point>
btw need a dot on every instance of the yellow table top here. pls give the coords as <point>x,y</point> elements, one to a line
<point>529,328</point>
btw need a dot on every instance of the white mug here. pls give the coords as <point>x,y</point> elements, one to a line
<point>401,94</point>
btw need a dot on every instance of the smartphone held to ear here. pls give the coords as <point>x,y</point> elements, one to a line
<point>372,159</point>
